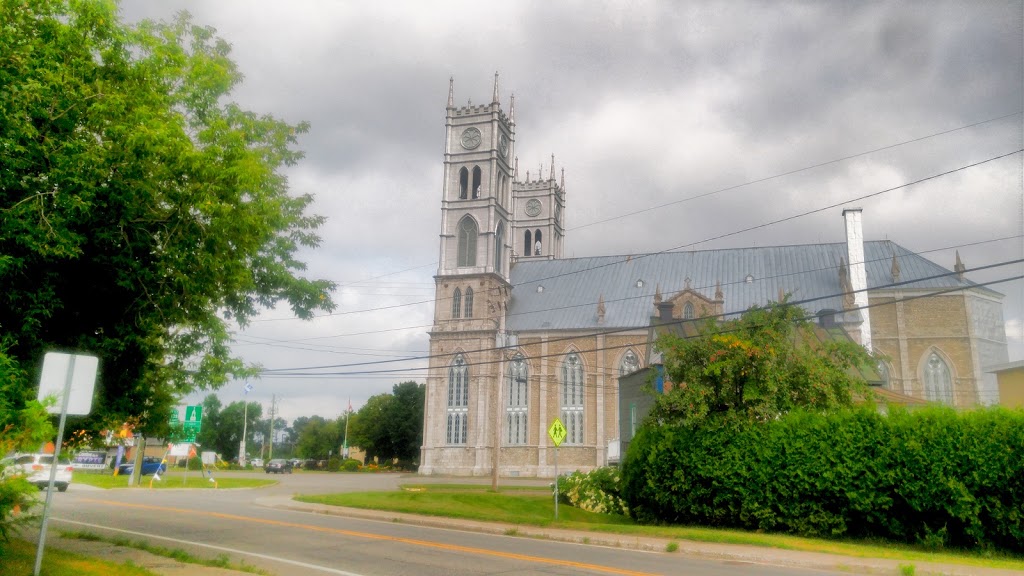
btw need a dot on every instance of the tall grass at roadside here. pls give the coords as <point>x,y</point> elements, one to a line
<point>19,557</point>
<point>221,561</point>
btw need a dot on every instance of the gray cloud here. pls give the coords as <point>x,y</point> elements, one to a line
<point>643,103</point>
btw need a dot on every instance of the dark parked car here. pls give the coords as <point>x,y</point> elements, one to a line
<point>278,466</point>
<point>150,464</point>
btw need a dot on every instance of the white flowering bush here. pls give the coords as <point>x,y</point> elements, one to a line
<point>596,491</point>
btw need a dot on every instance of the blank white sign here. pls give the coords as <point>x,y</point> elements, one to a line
<point>83,381</point>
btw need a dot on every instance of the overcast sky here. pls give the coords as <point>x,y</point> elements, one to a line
<point>644,104</point>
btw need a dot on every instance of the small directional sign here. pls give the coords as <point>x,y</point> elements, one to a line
<point>557,432</point>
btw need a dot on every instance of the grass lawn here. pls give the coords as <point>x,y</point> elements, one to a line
<point>172,480</point>
<point>518,505</point>
<point>19,557</point>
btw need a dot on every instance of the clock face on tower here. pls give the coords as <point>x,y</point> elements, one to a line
<point>470,138</point>
<point>503,145</point>
<point>533,207</point>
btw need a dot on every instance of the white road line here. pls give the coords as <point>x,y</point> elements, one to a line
<point>211,546</point>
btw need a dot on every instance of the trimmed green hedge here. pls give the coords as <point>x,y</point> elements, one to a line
<point>932,476</point>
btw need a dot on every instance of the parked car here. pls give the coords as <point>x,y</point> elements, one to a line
<point>256,462</point>
<point>36,469</point>
<point>278,466</point>
<point>150,464</point>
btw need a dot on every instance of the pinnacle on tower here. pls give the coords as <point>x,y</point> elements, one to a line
<point>562,185</point>
<point>451,91</point>
<point>552,177</point>
<point>515,174</point>
<point>959,267</point>
<point>494,99</point>
<point>512,110</point>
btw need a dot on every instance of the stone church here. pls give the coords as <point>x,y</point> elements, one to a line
<point>522,336</point>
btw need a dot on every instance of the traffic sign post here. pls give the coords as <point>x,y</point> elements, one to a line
<point>557,434</point>
<point>72,378</point>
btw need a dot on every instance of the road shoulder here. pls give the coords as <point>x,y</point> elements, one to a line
<point>727,552</point>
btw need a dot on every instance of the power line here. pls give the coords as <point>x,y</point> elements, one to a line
<point>713,238</point>
<point>292,371</point>
<point>791,172</point>
<point>668,289</point>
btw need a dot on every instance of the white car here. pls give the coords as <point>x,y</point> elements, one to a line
<point>36,469</point>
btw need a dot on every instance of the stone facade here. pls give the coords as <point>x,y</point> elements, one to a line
<point>509,357</point>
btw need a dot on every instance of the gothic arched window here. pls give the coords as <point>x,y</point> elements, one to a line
<point>572,398</point>
<point>463,183</point>
<point>457,303</point>
<point>467,241</point>
<point>688,311</point>
<point>458,401</point>
<point>468,310</point>
<point>884,374</point>
<point>528,244</point>
<point>516,401</point>
<point>499,248</point>
<point>536,243</point>
<point>938,382</point>
<point>630,363</point>
<point>477,176</point>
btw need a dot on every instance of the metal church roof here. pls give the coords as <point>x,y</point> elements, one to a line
<point>563,294</point>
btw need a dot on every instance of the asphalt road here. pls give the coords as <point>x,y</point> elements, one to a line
<point>245,525</point>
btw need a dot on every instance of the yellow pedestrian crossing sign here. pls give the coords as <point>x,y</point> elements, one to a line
<point>557,432</point>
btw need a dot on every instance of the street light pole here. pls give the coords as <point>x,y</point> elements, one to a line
<point>245,421</point>
<point>497,413</point>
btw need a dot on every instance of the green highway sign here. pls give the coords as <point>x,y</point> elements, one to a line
<point>193,422</point>
<point>194,413</point>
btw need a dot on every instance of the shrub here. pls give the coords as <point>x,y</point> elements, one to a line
<point>350,465</point>
<point>933,477</point>
<point>596,491</point>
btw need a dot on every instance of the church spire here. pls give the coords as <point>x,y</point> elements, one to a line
<point>451,91</point>
<point>959,267</point>
<point>494,99</point>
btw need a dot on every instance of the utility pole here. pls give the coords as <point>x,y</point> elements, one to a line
<point>273,407</point>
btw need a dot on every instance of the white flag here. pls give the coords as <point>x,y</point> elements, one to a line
<point>248,387</point>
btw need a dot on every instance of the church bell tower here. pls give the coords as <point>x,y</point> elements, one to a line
<point>476,197</point>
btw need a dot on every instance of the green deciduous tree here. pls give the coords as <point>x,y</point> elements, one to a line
<point>391,425</point>
<point>21,428</point>
<point>140,210</point>
<point>766,363</point>
<point>318,437</point>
